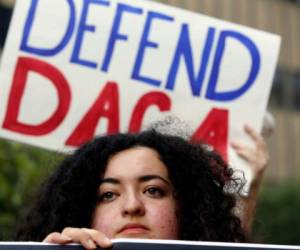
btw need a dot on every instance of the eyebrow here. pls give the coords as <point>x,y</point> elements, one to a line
<point>151,177</point>
<point>109,180</point>
<point>143,178</point>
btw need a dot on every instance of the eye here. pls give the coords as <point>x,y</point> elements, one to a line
<point>108,196</point>
<point>154,192</point>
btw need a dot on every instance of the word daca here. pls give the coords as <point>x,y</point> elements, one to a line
<point>213,129</point>
<point>146,46</point>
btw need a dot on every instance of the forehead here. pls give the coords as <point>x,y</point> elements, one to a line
<point>135,162</point>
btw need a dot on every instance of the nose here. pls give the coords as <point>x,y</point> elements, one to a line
<point>133,205</point>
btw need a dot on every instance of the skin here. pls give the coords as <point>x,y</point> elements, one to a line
<point>135,201</point>
<point>258,158</point>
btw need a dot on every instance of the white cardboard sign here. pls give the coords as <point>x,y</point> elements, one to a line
<point>72,69</point>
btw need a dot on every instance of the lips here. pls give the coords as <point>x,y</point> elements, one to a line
<point>133,228</point>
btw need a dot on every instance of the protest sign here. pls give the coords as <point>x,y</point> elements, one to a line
<point>73,69</point>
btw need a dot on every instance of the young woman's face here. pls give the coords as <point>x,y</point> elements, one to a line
<point>136,197</point>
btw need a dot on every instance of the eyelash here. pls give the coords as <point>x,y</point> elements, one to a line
<point>107,196</point>
<point>155,192</point>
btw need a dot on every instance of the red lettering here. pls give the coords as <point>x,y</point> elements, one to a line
<point>105,106</point>
<point>214,131</point>
<point>23,67</point>
<point>160,99</point>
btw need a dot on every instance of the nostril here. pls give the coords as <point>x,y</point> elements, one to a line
<point>136,208</point>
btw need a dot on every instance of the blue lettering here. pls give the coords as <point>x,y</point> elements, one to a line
<point>211,93</point>
<point>81,29</point>
<point>115,35</point>
<point>43,51</point>
<point>184,50</point>
<point>144,44</point>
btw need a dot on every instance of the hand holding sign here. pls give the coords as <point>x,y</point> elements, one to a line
<point>88,238</point>
<point>257,157</point>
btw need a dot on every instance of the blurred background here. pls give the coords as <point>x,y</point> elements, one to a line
<point>22,167</point>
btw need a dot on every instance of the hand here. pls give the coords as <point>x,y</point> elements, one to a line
<point>88,238</point>
<point>257,157</point>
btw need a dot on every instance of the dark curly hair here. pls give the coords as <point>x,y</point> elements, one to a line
<point>200,178</point>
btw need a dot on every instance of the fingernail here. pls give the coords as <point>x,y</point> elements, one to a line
<point>247,127</point>
<point>107,241</point>
<point>91,244</point>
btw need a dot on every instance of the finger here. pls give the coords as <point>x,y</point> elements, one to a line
<point>246,153</point>
<point>237,145</point>
<point>57,238</point>
<point>242,150</point>
<point>100,238</point>
<point>256,137</point>
<point>80,236</point>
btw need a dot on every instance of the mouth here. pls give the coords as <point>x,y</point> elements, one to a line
<point>133,229</point>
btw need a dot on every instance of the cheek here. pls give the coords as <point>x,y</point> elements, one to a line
<point>102,220</point>
<point>164,220</point>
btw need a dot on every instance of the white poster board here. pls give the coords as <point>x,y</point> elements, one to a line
<point>72,69</point>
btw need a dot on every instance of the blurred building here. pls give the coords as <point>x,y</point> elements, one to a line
<point>277,16</point>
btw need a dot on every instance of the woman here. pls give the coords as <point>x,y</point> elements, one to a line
<point>146,185</point>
